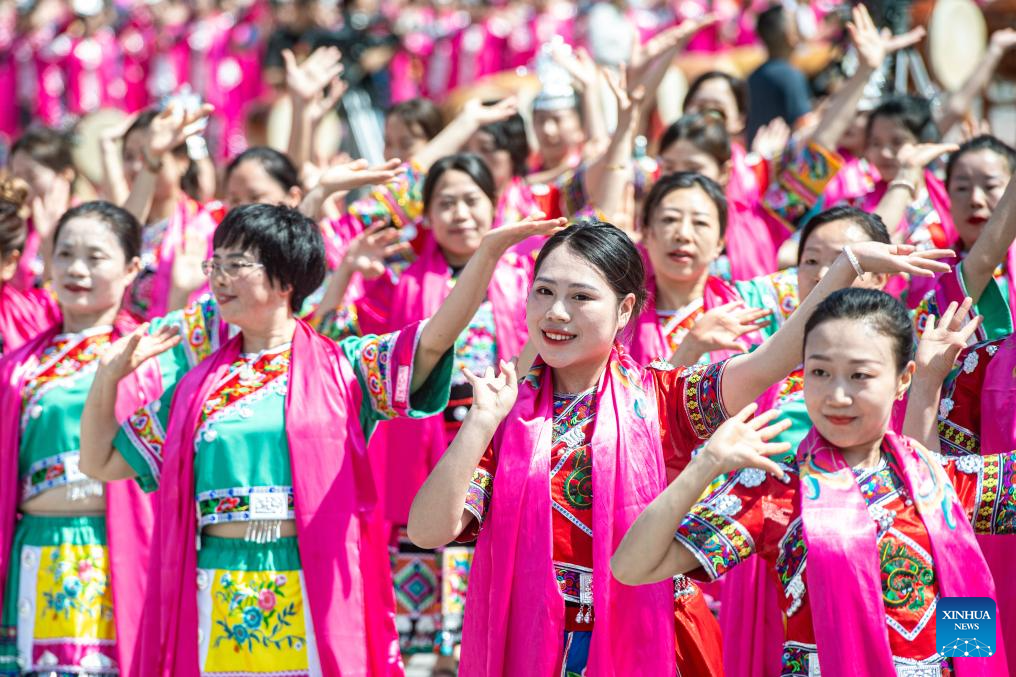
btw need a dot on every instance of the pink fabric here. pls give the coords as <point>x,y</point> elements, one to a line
<point>649,343</point>
<point>420,292</point>
<point>188,216</point>
<point>514,611</point>
<point>753,239</point>
<point>129,512</point>
<point>843,568</point>
<point>94,78</point>
<point>751,621</point>
<point>28,272</point>
<point>743,185</point>
<point>855,180</point>
<point>939,200</point>
<point>24,315</point>
<point>342,547</point>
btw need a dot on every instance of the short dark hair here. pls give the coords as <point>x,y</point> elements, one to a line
<point>737,86</point>
<point>277,165</point>
<point>120,221</point>
<point>668,183</point>
<point>882,312</point>
<point>13,228</point>
<point>913,112</point>
<point>978,143</point>
<point>286,242</point>
<point>870,223</point>
<point>705,132</point>
<point>467,163</point>
<point>607,249</point>
<point>422,112</point>
<point>771,27</point>
<point>510,135</point>
<point>49,147</point>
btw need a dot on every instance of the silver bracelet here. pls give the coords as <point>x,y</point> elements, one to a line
<point>854,263</point>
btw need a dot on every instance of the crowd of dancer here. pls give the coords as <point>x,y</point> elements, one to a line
<point>731,393</point>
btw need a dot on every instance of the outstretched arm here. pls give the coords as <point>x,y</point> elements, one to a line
<point>648,553</point>
<point>451,319</point>
<point>452,138</point>
<point>992,245</point>
<point>958,104</point>
<point>748,376</point>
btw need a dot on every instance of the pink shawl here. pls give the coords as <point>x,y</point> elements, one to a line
<point>514,620</point>
<point>998,435</point>
<point>420,292</point>
<point>939,200</point>
<point>342,549</point>
<point>129,511</point>
<point>649,343</point>
<point>843,569</point>
<point>856,179</point>
<point>187,216</point>
<point>23,315</point>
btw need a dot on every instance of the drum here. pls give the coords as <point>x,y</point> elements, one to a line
<point>956,41</point>
<point>87,154</point>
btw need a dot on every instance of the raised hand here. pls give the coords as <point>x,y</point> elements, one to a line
<point>356,174</point>
<point>129,352</point>
<point>172,126</point>
<point>1003,40</point>
<point>913,158</point>
<point>771,139</point>
<point>872,45</point>
<point>368,250</point>
<point>579,64</point>
<point>720,328</point>
<point>744,442</point>
<point>943,340</point>
<point>629,95</point>
<point>481,115</point>
<point>673,38</point>
<point>877,257</point>
<point>494,396</point>
<point>308,80</point>
<point>47,209</point>
<point>502,238</point>
<point>186,275</point>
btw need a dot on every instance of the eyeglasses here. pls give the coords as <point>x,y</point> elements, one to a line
<point>229,269</point>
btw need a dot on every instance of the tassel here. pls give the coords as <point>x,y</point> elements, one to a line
<point>263,531</point>
<point>79,491</point>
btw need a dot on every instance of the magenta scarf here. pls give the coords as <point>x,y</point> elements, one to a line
<point>24,315</point>
<point>649,343</point>
<point>514,620</point>
<point>129,512</point>
<point>844,580</point>
<point>420,292</point>
<point>187,216</point>
<point>939,200</point>
<point>342,547</point>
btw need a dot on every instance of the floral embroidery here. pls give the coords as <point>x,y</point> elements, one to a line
<point>751,477</point>
<point>246,377</point>
<point>339,323</point>
<point>718,541</point>
<point>146,434</point>
<point>987,494</point>
<point>675,325</point>
<point>476,347</point>
<point>195,332</point>
<point>970,362</point>
<point>969,464</point>
<point>234,505</point>
<point>908,583</point>
<point>996,511</point>
<point>800,182</point>
<point>68,358</point>
<point>727,505</point>
<point>58,471</point>
<point>571,475</point>
<point>702,398</point>
<point>79,580</point>
<point>945,407</point>
<point>375,359</point>
<point>957,440</point>
<point>259,614</point>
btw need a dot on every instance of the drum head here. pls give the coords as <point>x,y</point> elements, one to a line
<point>87,153</point>
<point>957,36</point>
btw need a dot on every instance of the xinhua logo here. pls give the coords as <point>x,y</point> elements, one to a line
<point>965,627</point>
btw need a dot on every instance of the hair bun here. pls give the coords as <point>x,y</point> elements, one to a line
<point>14,191</point>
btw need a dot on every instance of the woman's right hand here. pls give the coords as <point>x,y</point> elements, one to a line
<point>127,353</point>
<point>942,341</point>
<point>493,396</point>
<point>878,257</point>
<point>369,249</point>
<point>172,126</point>
<point>501,239</point>
<point>720,328</point>
<point>744,442</point>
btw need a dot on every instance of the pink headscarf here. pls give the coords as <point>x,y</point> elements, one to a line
<point>843,569</point>
<point>129,511</point>
<point>24,315</point>
<point>514,620</point>
<point>343,550</point>
<point>420,292</point>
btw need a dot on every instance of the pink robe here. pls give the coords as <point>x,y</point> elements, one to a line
<point>129,512</point>
<point>342,549</point>
<point>421,290</point>
<point>94,76</point>
<point>24,315</point>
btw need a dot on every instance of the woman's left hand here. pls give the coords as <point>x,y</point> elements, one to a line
<point>500,239</point>
<point>357,174</point>
<point>878,257</point>
<point>943,340</point>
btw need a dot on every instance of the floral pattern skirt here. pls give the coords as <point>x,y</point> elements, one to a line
<point>58,605</point>
<point>253,618</point>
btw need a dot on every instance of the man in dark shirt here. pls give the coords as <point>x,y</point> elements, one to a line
<point>776,89</point>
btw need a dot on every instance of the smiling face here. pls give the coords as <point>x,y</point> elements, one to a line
<point>976,184</point>
<point>684,156</point>
<point>90,270</point>
<point>247,298</point>
<point>460,215</point>
<point>558,133</point>
<point>822,249</point>
<point>683,235</point>
<point>573,314</point>
<point>249,183</point>
<point>886,138</point>
<point>851,382</point>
